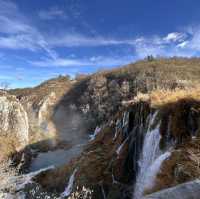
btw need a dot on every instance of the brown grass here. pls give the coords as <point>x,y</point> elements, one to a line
<point>160,98</point>
<point>179,112</point>
<point>58,85</point>
<point>8,146</point>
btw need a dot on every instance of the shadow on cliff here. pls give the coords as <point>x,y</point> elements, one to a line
<point>180,120</point>
<point>71,124</point>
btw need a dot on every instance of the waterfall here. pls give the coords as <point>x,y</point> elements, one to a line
<point>93,136</point>
<point>150,160</point>
<point>154,168</point>
<point>103,192</point>
<point>19,182</point>
<point>69,187</point>
<point>121,146</point>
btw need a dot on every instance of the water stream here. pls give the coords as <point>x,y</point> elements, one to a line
<point>69,187</point>
<point>56,158</point>
<point>150,160</point>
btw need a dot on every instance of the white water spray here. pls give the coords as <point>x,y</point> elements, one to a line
<point>69,187</point>
<point>93,136</point>
<point>19,182</point>
<point>118,151</point>
<point>150,161</point>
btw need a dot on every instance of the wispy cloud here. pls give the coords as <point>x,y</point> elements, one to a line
<point>59,62</point>
<point>18,33</point>
<point>91,61</point>
<point>52,13</point>
<point>175,37</point>
<point>11,20</point>
<point>77,40</point>
<point>174,43</point>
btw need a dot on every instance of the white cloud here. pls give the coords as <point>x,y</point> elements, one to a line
<point>148,46</point>
<point>76,40</point>
<point>175,37</point>
<point>17,42</point>
<point>11,25</point>
<point>190,46</point>
<point>58,62</point>
<point>18,32</point>
<point>11,20</point>
<point>52,13</point>
<point>92,61</point>
<point>183,44</point>
<point>194,42</point>
<point>173,44</point>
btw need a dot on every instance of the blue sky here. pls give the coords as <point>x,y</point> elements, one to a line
<point>40,39</point>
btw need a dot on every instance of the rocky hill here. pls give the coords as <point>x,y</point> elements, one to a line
<point>39,103</point>
<point>124,133</point>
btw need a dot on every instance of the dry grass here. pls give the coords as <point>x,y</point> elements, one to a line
<point>58,85</point>
<point>159,98</point>
<point>179,112</point>
<point>8,146</point>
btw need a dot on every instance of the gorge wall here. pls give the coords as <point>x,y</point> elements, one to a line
<point>14,125</point>
<point>136,130</point>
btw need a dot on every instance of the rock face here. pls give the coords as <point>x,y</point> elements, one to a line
<point>190,190</point>
<point>14,123</point>
<point>109,164</point>
<point>39,114</point>
<point>40,103</point>
<point>109,161</point>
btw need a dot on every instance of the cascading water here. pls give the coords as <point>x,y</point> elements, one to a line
<point>69,187</point>
<point>150,160</point>
<point>121,146</point>
<point>19,182</point>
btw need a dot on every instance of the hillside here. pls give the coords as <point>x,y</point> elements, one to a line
<point>59,85</point>
<point>115,134</point>
<point>100,95</point>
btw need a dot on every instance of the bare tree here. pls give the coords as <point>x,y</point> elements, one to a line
<point>4,85</point>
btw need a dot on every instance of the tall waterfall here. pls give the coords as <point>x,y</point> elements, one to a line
<point>150,160</point>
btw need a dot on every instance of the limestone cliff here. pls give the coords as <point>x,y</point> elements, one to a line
<point>39,104</point>
<point>137,129</point>
<point>14,124</point>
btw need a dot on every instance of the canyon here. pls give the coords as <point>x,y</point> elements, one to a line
<point>127,133</point>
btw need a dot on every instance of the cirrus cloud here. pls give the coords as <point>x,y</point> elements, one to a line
<point>52,13</point>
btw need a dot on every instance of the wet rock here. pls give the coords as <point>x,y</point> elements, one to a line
<point>182,166</point>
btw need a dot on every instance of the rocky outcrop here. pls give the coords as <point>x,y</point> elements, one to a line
<point>109,161</point>
<point>182,166</point>
<point>39,104</point>
<point>14,124</point>
<point>108,166</point>
<point>40,117</point>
